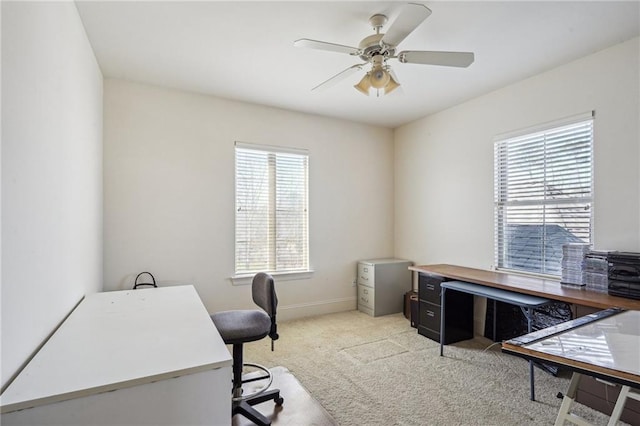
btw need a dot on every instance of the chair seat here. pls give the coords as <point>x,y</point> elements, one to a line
<point>242,326</point>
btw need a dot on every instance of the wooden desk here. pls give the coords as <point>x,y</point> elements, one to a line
<point>147,356</point>
<point>540,287</point>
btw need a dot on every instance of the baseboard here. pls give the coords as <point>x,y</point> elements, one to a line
<point>322,307</point>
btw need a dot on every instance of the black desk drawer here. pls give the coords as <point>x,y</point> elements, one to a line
<point>431,334</point>
<point>430,315</point>
<point>459,321</point>
<point>429,287</point>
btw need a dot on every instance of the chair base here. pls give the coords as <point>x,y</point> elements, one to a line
<point>245,407</point>
<point>238,392</point>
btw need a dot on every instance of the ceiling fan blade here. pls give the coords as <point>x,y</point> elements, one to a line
<point>447,59</point>
<point>339,77</point>
<point>323,45</point>
<point>410,17</point>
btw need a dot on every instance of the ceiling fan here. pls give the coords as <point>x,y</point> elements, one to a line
<point>378,48</point>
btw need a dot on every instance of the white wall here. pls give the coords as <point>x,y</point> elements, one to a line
<point>51,173</point>
<point>444,162</point>
<point>169,194</point>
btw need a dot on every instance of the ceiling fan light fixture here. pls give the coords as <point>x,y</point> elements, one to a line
<point>391,85</point>
<point>379,78</point>
<point>364,85</point>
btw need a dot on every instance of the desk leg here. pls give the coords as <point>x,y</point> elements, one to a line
<point>442,317</point>
<point>531,372</point>
<point>495,316</point>
<point>569,397</point>
<point>625,393</point>
<point>565,407</point>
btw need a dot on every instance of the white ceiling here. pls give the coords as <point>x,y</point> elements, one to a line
<point>244,50</point>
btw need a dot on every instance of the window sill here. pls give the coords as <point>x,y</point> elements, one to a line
<point>246,279</point>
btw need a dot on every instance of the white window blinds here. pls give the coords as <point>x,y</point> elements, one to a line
<point>543,195</point>
<point>271,210</point>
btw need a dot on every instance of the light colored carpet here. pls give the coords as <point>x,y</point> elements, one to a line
<point>379,371</point>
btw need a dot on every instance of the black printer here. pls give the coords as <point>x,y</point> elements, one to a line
<point>624,274</point>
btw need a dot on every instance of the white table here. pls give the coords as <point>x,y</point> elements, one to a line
<point>146,356</point>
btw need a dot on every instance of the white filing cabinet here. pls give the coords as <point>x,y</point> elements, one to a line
<point>382,284</point>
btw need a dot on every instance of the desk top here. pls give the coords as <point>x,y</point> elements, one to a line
<point>541,287</point>
<point>119,339</point>
<point>608,345</point>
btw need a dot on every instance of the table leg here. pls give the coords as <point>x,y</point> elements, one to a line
<point>625,393</point>
<point>564,413</point>
<point>531,372</point>
<point>569,397</point>
<point>495,337</point>
<point>442,317</point>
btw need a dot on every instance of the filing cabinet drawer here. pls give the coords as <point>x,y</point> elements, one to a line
<point>366,296</point>
<point>366,274</point>
<point>429,288</point>
<point>430,316</point>
<point>366,310</point>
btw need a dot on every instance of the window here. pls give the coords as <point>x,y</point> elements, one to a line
<point>271,210</point>
<point>543,195</point>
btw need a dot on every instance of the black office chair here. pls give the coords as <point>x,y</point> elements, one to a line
<point>242,326</point>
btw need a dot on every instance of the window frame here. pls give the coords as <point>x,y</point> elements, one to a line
<point>501,254</point>
<point>243,277</point>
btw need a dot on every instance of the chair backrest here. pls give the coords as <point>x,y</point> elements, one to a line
<point>263,290</point>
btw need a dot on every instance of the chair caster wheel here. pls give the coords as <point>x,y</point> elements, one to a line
<point>279,401</point>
